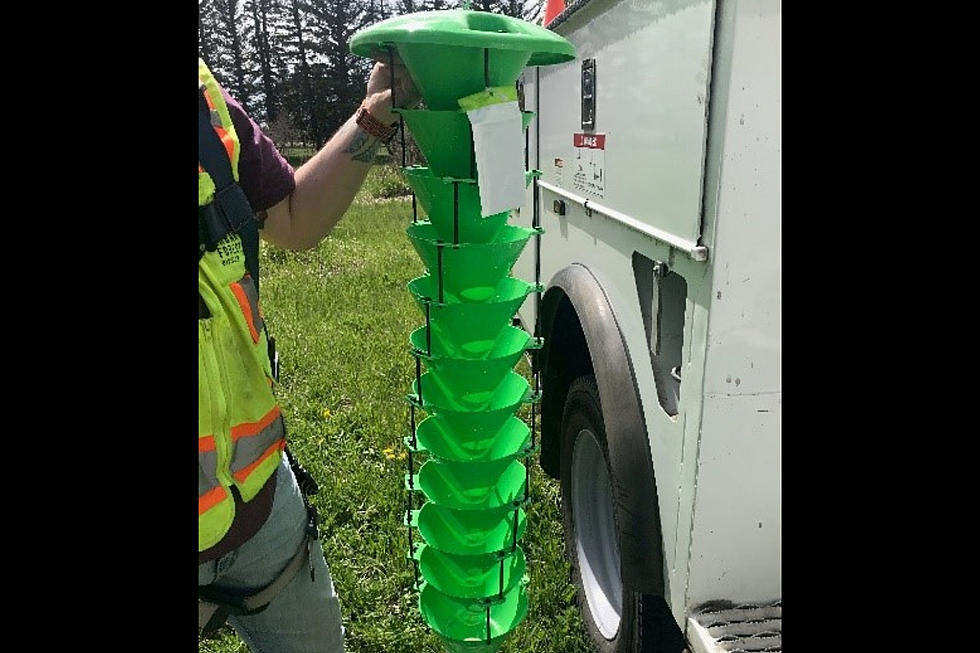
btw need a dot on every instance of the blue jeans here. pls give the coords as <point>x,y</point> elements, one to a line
<point>305,616</point>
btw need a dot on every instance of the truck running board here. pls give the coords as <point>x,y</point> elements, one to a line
<point>723,627</point>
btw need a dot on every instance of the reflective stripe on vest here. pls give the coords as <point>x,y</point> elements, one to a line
<point>248,300</point>
<point>240,428</point>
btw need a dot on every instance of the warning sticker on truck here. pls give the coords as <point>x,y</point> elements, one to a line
<point>589,165</point>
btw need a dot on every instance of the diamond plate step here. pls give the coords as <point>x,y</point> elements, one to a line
<point>726,627</point>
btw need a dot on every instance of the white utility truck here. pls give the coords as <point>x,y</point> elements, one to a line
<point>660,195</point>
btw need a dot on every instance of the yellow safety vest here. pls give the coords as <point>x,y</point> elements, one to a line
<point>240,428</point>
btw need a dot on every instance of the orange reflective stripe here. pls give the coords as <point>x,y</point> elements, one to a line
<point>246,310</point>
<point>205,444</point>
<point>226,138</point>
<point>210,499</point>
<point>278,445</point>
<point>253,428</point>
<point>228,142</point>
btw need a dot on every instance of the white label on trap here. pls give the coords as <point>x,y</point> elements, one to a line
<point>499,146</point>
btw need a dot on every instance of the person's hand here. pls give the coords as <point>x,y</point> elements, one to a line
<point>378,98</point>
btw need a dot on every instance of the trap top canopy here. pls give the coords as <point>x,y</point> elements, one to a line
<point>466,28</point>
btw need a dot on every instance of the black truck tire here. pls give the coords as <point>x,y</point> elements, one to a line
<point>616,619</point>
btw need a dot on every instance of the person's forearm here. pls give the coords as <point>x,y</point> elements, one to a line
<point>327,183</point>
<point>325,187</point>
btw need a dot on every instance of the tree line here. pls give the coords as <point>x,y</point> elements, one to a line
<point>289,64</point>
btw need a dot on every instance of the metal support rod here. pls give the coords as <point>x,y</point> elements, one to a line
<point>418,378</point>
<point>536,223</point>
<point>401,130</point>
<point>536,217</point>
<point>488,623</point>
<point>455,212</point>
<point>428,331</point>
<point>527,148</point>
<point>391,72</point>
<point>411,422</point>
<point>415,566</point>
<point>408,523</point>
<point>401,119</point>
<point>533,413</point>
<point>439,246</point>
<point>415,210</point>
<point>527,481</point>
<point>517,514</point>
<point>501,577</point>
<point>486,67</point>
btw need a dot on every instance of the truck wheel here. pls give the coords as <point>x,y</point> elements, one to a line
<point>616,619</point>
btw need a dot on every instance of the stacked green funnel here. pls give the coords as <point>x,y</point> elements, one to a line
<point>474,482</point>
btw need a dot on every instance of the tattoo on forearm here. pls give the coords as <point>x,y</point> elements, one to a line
<point>363,147</point>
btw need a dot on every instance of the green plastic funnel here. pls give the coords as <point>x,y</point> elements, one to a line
<point>469,329</point>
<point>470,270</point>
<point>471,577</point>
<point>469,532</point>
<point>463,623</point>
<point>446,139</point>
<point>445,73</point>
<point>477,412</point>
<point>472,486</point>
<point>436,194</point>
<point>444,50</point>
<point>476,374</point>
<point>509,442</point>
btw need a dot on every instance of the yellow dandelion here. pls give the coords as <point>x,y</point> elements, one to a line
<point>388,450</point>
<point>402,456</point>
<point>326,413</point>
<point>389,456</point>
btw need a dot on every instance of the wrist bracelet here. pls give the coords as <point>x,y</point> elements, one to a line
<point>373,126</point>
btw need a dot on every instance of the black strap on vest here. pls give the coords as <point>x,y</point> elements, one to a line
<point>229,212</point>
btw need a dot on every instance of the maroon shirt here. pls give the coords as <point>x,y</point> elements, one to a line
<point>266,178</point>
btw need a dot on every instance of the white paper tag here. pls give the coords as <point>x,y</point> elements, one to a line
<point>499,146</point>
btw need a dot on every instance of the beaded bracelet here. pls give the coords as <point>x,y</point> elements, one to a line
<point>373,126</point>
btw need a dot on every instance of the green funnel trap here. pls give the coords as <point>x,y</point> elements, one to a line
<point>472,486</point>
<point>444,138</point>
<point>512,440</point>
<point>469,328</point>
<point>469,270</point>
<point>454,53</point>
<point>475,481</point>
<point>453,206</point>
<point>470,625</point>
<point>470,577</point>
<point>470,532</point>
<point>471,374</point>
<point>472,414</point>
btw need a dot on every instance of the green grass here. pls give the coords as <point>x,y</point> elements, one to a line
<point>341,316</point>
<point>297,155</point>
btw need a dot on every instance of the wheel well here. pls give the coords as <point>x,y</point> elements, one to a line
<point>564,358</point>
<point>583,336</point>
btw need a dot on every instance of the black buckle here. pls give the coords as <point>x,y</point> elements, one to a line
<point>273,356</point>
<point>312,521</point>
<point>228,213</point>
<point>233,204</point>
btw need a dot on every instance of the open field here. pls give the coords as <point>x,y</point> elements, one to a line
<point>341,315</point>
